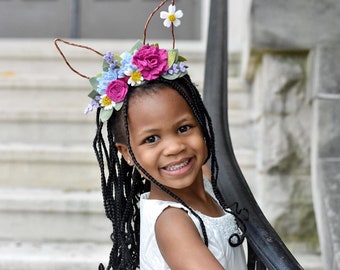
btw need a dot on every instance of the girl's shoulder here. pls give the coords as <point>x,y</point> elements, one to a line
<point>153,208</point>
<point>156,207</point>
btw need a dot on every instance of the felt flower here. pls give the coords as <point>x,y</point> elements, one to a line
<point>176,68</point>
<point>114,64</point>
<point>136,77</point>
<point>132,68</point>
<point>151,61</point>
<point>108,57</point>
<point>106,102</point>
<point>92,105</point>
<point>117,90</point>
<point>105,79</point>
<point>125,64</point>
<point>172,16</point>
<point>126,58</point>
<point>182,67</point>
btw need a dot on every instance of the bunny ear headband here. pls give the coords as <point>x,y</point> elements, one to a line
<point>142,63</point>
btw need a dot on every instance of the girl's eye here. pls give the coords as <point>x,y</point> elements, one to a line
<point>151,139</point>
<point>183,129</point>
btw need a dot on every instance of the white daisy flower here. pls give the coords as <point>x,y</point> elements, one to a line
<point>172,16</point>
<point>136,77</point>
<point>107,103</point>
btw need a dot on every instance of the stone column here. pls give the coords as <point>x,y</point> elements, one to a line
<point>297,112</point>
<point>282,124</point>
<point>325,96</point>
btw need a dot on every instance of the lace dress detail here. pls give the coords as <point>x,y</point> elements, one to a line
<point>219,230</point>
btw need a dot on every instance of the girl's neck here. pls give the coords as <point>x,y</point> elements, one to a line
<point>195,197</point>
<point>195,192</point>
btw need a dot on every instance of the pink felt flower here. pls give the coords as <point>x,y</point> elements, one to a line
<point>117,90</point>
<point>151,61</point>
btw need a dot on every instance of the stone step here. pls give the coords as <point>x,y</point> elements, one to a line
<point>44,128</point>
<point>53,113</point>
<point>41,215</point>
<point>35,93</point>
<point>238,94</point>
<point>310,261</point>
<point>39,92</point>
<point>81,255</point>
<point>246,161</point>
<point>40,57</point>
<point>52,255</point>
<point>49,166</point>
<point>43,97</point>
<point>48,111</point>
<point>66,167</point>
<point>240,125</point>
<point>68,127</point>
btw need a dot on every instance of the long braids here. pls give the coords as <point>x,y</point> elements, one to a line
<point>124,185</point>
<point>121,189</point>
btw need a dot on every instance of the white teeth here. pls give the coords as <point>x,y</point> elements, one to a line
<point>177,167</point>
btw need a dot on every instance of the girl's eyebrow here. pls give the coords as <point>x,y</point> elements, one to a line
<point>148,131</point>
<point>187,117</point>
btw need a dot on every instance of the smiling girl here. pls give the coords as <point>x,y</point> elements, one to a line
<point>165,214</point>
<point>168,146</point>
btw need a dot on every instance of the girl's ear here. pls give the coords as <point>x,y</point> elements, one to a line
<point>122,148</point>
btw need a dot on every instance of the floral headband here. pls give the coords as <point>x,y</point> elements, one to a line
<point>142,63</point>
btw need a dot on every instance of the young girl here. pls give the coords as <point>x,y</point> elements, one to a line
<point>164,213</point>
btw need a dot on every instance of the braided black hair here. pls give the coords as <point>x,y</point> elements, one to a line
<point>122,184</point>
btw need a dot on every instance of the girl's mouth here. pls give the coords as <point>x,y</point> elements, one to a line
<point>177,166</point>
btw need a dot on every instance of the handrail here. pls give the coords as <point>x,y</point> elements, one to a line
<point>266,248</point>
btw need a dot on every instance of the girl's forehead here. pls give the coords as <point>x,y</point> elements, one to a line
<point>155,95</point>
<point>162,103</point>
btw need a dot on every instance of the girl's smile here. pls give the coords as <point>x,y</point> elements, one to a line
<point>166,138</point>
<point>178,168</point>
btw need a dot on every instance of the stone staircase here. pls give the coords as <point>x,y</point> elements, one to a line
<point>51,214</point>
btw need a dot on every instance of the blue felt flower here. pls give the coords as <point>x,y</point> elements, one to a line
<point>105,79</point>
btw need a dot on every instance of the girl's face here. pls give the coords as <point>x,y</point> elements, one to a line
<point>166,138</point>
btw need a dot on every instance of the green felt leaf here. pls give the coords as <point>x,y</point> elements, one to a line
<point>137,46</point>
<point>154,44</point>
<point>174,76</point>
<point>105,65</point>
<point>181,59</point>
<point>105,115</point>
<point>94,82</point>
<point>93,94</point>
<point>118,106</point>
<point>172,57</point>
<point>117,57</point>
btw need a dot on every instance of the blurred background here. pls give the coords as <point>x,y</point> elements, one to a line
<point>284,117</point>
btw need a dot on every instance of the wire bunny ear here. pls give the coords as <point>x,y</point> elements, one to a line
<point>74,45</point>
<point>150,17</point>
<point>95,51</point>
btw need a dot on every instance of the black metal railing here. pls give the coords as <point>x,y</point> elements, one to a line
<point>266,249</point>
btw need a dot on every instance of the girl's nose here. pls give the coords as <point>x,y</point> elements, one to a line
<point>173,146</point>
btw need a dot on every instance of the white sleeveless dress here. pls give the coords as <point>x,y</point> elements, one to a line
<point>218,230</point>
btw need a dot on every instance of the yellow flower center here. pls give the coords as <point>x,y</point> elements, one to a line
<point>172,17</point>
<point>136,76</point>
<point>106,101</point>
